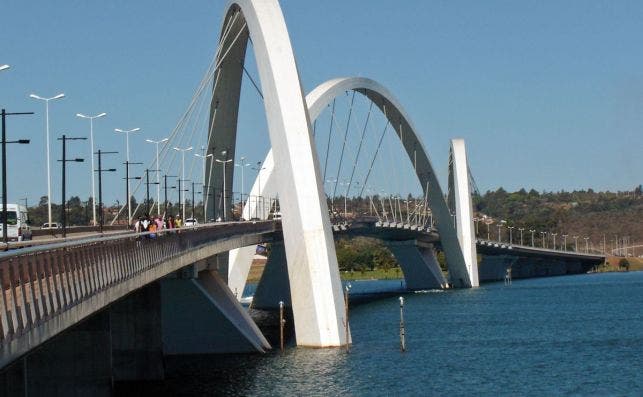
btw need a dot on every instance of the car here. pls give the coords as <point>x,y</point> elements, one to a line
<point>53,225</point>
<point>18,228</point>
<point>191,222</point>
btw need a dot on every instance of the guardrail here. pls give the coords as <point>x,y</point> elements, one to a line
<point>39,283</point>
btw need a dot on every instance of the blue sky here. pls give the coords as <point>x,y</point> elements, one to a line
<point>547,94</point>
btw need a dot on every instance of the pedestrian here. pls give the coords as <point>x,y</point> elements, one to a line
<point>178,222</point>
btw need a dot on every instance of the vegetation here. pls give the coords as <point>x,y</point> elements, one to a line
<point>583,213</point>
<point>79,213</point>
<point>363,253</point>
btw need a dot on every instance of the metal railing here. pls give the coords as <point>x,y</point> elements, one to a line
<point>40,283</point>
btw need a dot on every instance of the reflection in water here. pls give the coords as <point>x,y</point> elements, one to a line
<point>574,335</point>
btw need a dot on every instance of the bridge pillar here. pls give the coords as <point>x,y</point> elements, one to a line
<point>201,315</point>
<point>137,352</point>
<point>274,285</point>
<point>419,264</point>
<point>76,362</point>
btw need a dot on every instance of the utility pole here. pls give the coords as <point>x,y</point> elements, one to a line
<point>4,169</point>
<point>165,187</point>
<point>129,201</point>
<point>193,183</point>
<point>64,161</point>
<point>100,171</point>
<point>147,190</point>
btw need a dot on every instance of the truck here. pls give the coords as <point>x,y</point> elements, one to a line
<point>17,223</point>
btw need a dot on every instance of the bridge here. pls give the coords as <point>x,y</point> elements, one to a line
<point>129,299</point>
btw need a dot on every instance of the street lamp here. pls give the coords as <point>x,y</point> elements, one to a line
<point>243,165</point>
<point>532,231</point>
<point>542,238</point>
<point>586,244</point>
<point>129,201</point>
<point>127,194</point>
<point>4,169</point>
<point>64,161</point>
<point>165,187</point>
<point>91,143</point>
<point>575,243</point>
<point>59,96</point>
<point>205,192</point>
<point>258,168</point>
<point>564,242</point>
<point>147,190</point>
<point>554,236</point>
<point>521,230</point>
<point>500,226</point>
<point>510,235</point>
<point>158,173</point>
<point>100,171</point>
<point>224,154</point>
<point>181,194</point>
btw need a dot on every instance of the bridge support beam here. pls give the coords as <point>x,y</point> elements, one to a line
<point>201,315</point>
<point>274,285</point>
<point>77,361</point>
<point>460,205</point>
<point>137,352</point>
<point>419,264</point>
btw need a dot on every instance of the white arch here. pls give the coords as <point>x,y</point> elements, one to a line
<point>317,300</point>
<point>459,270</point>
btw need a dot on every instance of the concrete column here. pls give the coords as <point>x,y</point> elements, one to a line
<point>274,285</point>
<point>77,362</point>
<point>201,316</point>
<point>137,352</point>
<point>419,265</point>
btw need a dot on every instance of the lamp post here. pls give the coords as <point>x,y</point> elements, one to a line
<point>147,190</point>
<point>510,234</point>
<point>554,236</point>
<point>500,226</point>
<point>4,168</point>
<point>64,161</point>
<point>521,230</point>
<point>158,174</point>
<point>193,192</point>
<point>564,242</point>
<point>205,192</point>
<point>181,194</point>
<point>476,220</point>
<point>91,144</point>
<point>258,168</point>
<point>586,244</point>
<point>129,201</point>
<point>59,96</point>
<point>100,171</point>
<point>542,238</point>
<point>127,179</point>
<point>224,162</point>
<point>165,187</point>
<point>243,165</point>
<point>532,231</point>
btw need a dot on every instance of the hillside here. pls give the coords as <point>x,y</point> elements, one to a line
<point>596,215</point>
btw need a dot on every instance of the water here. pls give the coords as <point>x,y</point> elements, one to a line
<point>574,335</point>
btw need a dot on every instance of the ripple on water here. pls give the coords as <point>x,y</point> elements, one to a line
<point>574,335</point>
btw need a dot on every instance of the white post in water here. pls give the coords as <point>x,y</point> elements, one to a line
<point>281,324</point>
<point>402,333</point>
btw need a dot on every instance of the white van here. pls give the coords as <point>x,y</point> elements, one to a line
<point>17,223</point>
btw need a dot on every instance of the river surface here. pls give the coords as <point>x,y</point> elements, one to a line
<point>573,335</point>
